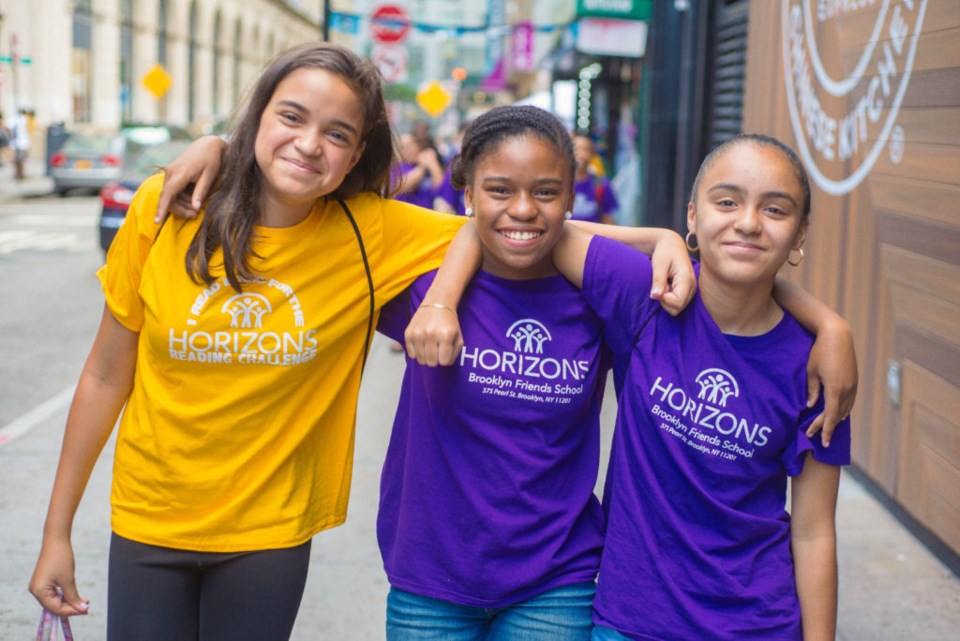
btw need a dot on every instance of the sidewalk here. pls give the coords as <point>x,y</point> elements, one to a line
<point>36,183</point>
<point>892,586</point>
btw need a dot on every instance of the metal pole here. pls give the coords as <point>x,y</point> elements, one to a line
<point>326,20</point>
<point>2,18</point>
<point>15,68</point>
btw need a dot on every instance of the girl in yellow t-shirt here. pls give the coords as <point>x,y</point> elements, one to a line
<point>240,372</point>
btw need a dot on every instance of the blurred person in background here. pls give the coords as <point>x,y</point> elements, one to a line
<point>20,142</point>
<point>418,174</point>
<point>424,137</point>
<point>4,138</point>
<point>594,199</point>
<point>449,199</point>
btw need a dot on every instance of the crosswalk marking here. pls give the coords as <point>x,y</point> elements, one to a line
<point>54,220</point>
<point>11,241</point>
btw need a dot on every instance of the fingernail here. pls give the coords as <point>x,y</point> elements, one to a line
<point>655,291</point>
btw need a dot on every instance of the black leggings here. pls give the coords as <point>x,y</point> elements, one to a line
<point>162,594</point>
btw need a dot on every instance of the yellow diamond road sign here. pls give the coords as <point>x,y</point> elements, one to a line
<point>433,98</point>
<point>157,81</point>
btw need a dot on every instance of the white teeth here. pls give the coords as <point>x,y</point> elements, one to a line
<point>520,235</point>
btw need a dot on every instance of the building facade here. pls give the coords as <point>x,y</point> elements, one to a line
<point>84,62</point>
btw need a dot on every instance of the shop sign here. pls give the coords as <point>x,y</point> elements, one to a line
<point>523,47</point>
<point>844,112</point>
<point>606,37</point>
<point>622,9</point>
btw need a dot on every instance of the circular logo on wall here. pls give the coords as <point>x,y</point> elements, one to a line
<point>842,120</point>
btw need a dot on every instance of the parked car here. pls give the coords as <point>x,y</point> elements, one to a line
<point>115,197</point>
<point>91,160</point>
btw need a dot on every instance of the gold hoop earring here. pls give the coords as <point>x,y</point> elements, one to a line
<point>691,247</point>
<point>799,250</point>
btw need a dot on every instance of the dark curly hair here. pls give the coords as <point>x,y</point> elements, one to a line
<point>501,123</point>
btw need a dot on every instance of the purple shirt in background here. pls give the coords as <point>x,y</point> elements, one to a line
<point>422,195</point>
<point>709,426</point>
<point>453,196</point>
<point>486,497</point>
<point>592,197</point>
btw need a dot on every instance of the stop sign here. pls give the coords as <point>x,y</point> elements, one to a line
<point>389,23</point>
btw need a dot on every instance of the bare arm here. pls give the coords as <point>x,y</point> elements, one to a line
<point>674,283</point>
<point>428,160</point>
<point>814,544</point>
<point>433,335</point>
<point>198,166</point>
<point>103,388</point>
<point>832,362</point>
<point>412,179</point>
<point>441,205</point>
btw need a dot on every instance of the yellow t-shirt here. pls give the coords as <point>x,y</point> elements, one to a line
<point>239,431</point>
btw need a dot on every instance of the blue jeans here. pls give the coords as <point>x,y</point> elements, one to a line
<point>603,633</point>
<point>562,614</point>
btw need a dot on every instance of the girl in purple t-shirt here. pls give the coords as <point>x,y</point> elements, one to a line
<point>712,419</point>
<point>488,525</point>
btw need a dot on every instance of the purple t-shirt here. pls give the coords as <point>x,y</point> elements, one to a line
<point>423,195</point>
<point>592,197</point>
<point>486,497</point>
<point>709,426</point>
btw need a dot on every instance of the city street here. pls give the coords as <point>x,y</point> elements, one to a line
<point>891,587</point>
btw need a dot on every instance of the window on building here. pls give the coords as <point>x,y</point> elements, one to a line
<point>237,33</point>
<point>728,60</point>
<point>215,67</point>
<point>191,63</point>
<point>162,38</point>
<point>126,60</point>
<point>81,61</point>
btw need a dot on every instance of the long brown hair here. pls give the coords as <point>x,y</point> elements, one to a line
<point>234,208</point>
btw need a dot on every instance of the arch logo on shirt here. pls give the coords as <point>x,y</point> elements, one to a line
<point>699,415</point>
<point>250,329</point>
<point>584,206</point>
<point>524,367</point>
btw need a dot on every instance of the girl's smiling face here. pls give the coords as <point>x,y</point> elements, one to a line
<point>308,140</point>
<point>520,191</point>
<point>748,215</point>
